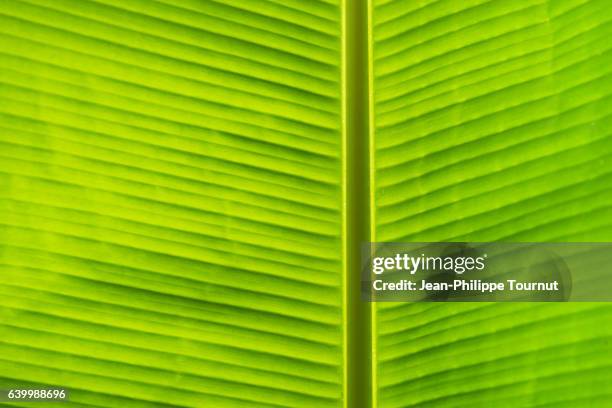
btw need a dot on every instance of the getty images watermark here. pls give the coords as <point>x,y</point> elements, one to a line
<point>477,272</point>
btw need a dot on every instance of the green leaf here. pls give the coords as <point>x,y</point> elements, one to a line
<point>492,123</point>
<point>170,194</point>
<point>184,185</point>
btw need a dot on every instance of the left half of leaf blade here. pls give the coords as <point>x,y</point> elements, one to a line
<point>170,201</point>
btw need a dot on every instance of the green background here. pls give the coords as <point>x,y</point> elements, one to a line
<point>184,184</point>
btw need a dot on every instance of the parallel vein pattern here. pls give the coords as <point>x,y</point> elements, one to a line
<point>493,122</point>
<point>170,201</point>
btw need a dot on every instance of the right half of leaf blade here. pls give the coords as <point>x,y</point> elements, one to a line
<point>492,123</point>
